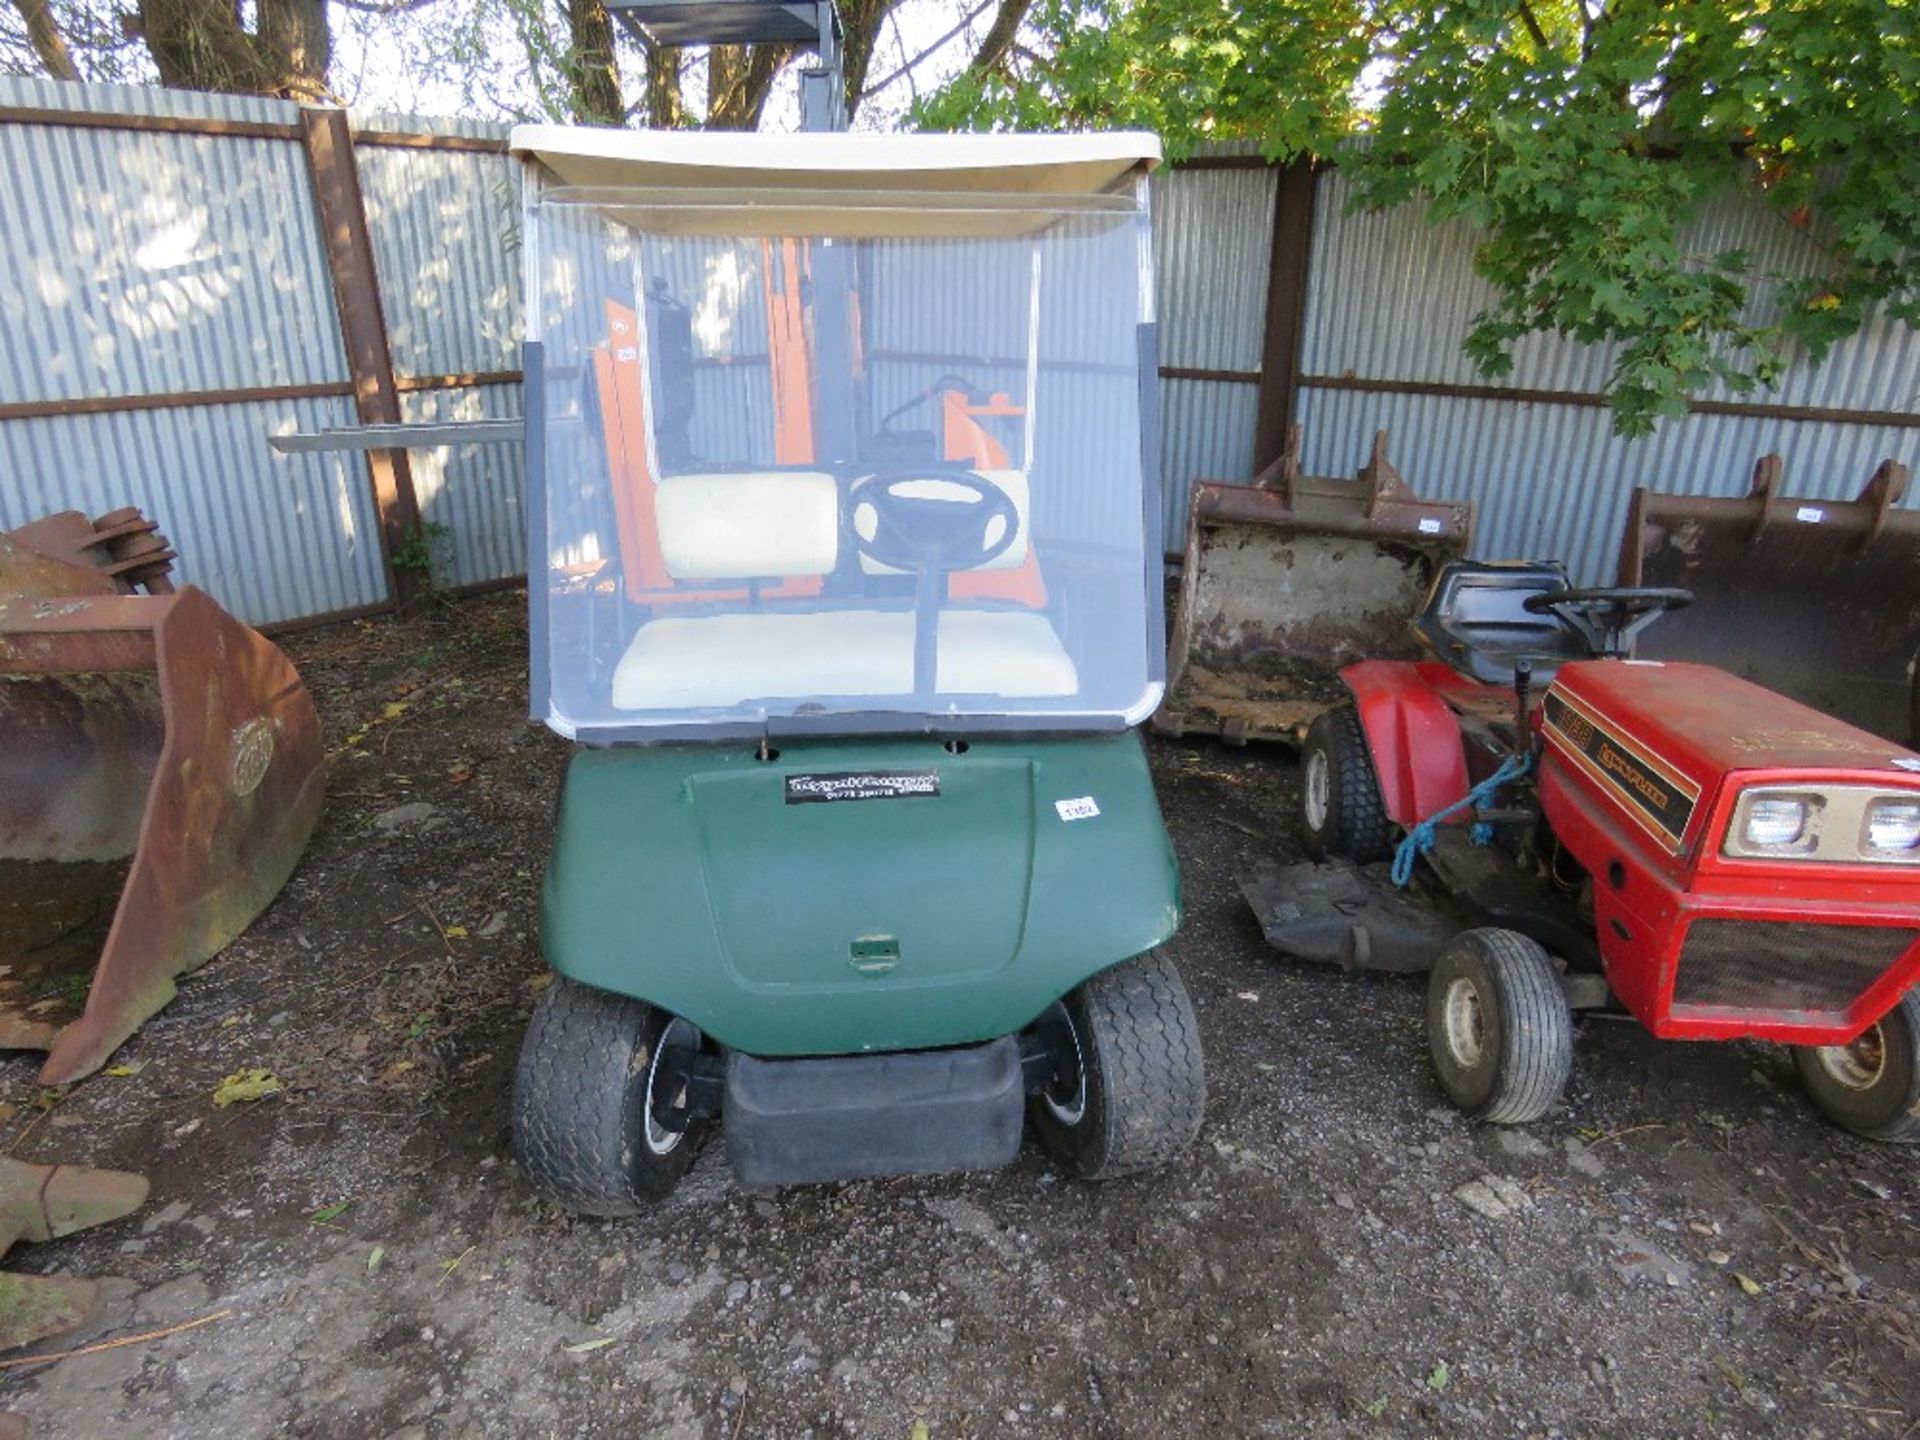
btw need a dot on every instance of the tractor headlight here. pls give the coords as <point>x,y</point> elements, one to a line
<point>1893,826</point>
<point>1835,824</point>
<point>1775,822</point>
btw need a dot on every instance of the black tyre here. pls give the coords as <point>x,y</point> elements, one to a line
<point>1340,800</point>
<point>1133,1095</point>
<point>583,1127</point>
<point>1872,1086</point>
<point>1499,1027</point>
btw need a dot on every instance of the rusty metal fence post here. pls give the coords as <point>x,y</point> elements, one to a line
<point>328,142</point>
<point>1296,186</point>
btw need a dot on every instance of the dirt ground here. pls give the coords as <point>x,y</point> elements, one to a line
<point>1685,1248</point>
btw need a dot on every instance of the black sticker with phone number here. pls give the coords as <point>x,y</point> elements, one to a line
<point>861,785</point>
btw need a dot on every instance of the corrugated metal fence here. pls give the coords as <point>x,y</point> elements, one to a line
<point>167,302</point>
<point>1373,341</point>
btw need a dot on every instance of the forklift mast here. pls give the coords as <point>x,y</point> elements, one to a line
<point>810,24</point>
<point>807,338</point>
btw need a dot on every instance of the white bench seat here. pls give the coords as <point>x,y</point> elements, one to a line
<point>718,661</point>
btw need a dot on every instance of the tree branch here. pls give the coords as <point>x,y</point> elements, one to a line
<point>860,22</point>
<point>738,79</point>
<point>200,45</point>
<point>894,74</point>
<point>383,7</point>
<point>49,44</point>
<point>593,70</point>
<point>1592,16</point>
<point>1533,27</point>
<point>664,110</point>
<point>294,39</point>
<point>1000,36</point>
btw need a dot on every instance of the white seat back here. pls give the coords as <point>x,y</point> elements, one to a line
<point>749,524</point>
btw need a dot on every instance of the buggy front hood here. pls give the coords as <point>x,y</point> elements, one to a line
<point>857,896</point>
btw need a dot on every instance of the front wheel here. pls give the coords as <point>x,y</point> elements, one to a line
<point>1130,1086</point>
<point>1872,1086</point>
<point>1499,1027</point>
<point>587,1096</point>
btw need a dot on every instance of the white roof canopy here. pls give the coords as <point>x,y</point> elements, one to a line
<point>1033,165</point>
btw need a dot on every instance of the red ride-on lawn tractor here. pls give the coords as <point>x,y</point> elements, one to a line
<point>1571,828</point>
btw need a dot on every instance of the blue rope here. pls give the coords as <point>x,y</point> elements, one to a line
<point>1421,837</point>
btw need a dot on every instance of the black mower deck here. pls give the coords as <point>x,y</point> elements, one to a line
<point>1341,914</point>
<point>1353,916</point>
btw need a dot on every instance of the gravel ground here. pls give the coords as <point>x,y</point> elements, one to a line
<point>1683,1248</point>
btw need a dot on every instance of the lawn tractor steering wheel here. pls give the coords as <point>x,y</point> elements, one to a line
<point>916,528</point>
<point>1608,616</point>
<point>929,522</point>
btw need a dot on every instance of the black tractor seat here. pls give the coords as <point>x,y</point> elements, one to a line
<point>1476,620</point>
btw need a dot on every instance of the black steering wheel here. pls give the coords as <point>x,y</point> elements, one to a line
<point>920,530</point>
<point>928,522</point>
<point>1608,616</point>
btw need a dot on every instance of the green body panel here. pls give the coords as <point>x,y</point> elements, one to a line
<point>682,875</point>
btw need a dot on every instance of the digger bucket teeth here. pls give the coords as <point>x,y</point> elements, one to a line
<point>162,776</point>
<point>1290,579</point>
<point>122,547</point>
<point>45,1202</point>
<point>1817,599</point>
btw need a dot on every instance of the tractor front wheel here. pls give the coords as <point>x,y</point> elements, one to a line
<point>586,1099</point>
<point>1340,802</point>
<point>1130,1085</point>
<point>1872,1086</point>
<point>1499,1027</point>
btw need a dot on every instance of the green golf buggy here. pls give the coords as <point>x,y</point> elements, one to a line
<point>845,580</point>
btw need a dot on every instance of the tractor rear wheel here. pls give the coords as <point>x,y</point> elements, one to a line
<point>1340,802</point>
<point>1131,1084</point>
<point>1872,1087</point>
<point>1499,1027</point>
<point>591,1073</point>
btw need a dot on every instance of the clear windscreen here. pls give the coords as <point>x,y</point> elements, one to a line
<point>805,457</point>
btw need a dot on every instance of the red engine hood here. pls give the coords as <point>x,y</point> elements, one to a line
<point>1704,723</point>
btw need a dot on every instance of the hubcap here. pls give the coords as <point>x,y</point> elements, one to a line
<point>1858,1066</point>
<point>1066,1097</point>
<point>1466,1027</point>
<point>1319,790</point>
<point>678,1034</point>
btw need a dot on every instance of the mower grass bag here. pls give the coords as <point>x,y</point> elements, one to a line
<point>160,777</point>
<point>1291,578</point>
<point>1817,599</point>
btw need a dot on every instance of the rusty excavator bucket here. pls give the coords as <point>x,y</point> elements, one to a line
<point>1290,579</point>
<point>1818,599</point>
<point>160,774</point>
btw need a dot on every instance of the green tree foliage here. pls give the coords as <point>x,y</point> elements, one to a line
<point>1281,72</point>
<point>1581,139</point>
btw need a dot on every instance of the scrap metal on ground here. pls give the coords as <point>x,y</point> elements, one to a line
<point>1290,578</point>
<point>161,776</point>
<point>1817,599</point>
<point>45,1202</point>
